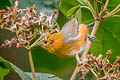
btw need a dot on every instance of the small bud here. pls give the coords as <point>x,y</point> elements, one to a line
<point>55,11</point>
<point>109,52</point>
<point>1,11</point>
<point>118,58</point>
<point>18,45</point>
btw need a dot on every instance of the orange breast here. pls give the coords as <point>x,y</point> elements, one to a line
<point>70,48</point>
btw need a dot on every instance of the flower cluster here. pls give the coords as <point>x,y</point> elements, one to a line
<point>27,24</point>
<point>101,67</point>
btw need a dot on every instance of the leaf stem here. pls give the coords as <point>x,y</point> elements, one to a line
<point>113,12</point>
<point>116,16</point>
<point>91,9</point>
<point>94,73</point>
<point>96,6</point>
<point>36,42</point>
<point>104,8</point>
<point>106,5</point>
<point>31,63</point>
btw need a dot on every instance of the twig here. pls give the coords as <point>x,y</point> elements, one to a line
<point>31,64</point>
<point>106,5</point>
<point>77,57</point>
<point>104,8</point>
<point>36,41</point>
<point>91,9</point>
<point>113,12</point>
<point>96,6</point>
<point>116,16</point>
<point>75,73</point>
<point>94,73</point>
<point>76,69</point>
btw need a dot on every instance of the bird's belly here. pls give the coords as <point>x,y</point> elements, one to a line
<point>71,50</point>
<point>79,51</point>
<point>67,53</point>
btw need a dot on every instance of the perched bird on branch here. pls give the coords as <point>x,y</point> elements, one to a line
<point>71,40</point>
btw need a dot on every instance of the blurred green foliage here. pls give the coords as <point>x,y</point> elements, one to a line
<point>6,66</point>
<point>3,72</point>
<point>4,4</point>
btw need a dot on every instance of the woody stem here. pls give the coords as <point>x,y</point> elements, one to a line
<point>31,64</point>
<point>75,73</point>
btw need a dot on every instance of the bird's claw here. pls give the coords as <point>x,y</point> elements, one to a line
<point>91,38</point>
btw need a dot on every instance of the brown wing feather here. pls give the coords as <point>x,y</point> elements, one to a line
<point>70,29</point>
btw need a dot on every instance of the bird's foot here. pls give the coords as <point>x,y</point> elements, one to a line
<point>91,38</point>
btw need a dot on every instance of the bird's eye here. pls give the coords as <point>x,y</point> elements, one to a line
<point>45,41</point>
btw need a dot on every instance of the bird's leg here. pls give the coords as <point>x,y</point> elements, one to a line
<point>91,38</point>
<point>77,58</point>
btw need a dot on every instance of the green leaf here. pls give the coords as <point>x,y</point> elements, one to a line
<point>70,2</point>
<point>44,76</point>
<point>69,8</point>
<point>108,37</point>
<point>3,72</point>
<point>9,66</point>
<point>78,14</point>
<point>22,74</point>
<point>5,66</point>
<point>66,5</point>
<point>4,3</point>
<point>72,10</point>
<point>83,2</point>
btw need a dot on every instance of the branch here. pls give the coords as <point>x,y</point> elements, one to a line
<point>97,22</point>
<point>106,5</point>
<point>91,9</point>
<point>31,64</point>
<point>113,12</point>
<point>104,8</point>
<point>75,73</point>
<point>36,42</point>
<point>116,16</point>
<point>96,7</point>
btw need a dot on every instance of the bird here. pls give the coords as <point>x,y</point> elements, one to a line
<point>71,40</point>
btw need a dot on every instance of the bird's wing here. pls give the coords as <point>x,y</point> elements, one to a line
<point>71,29</point>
